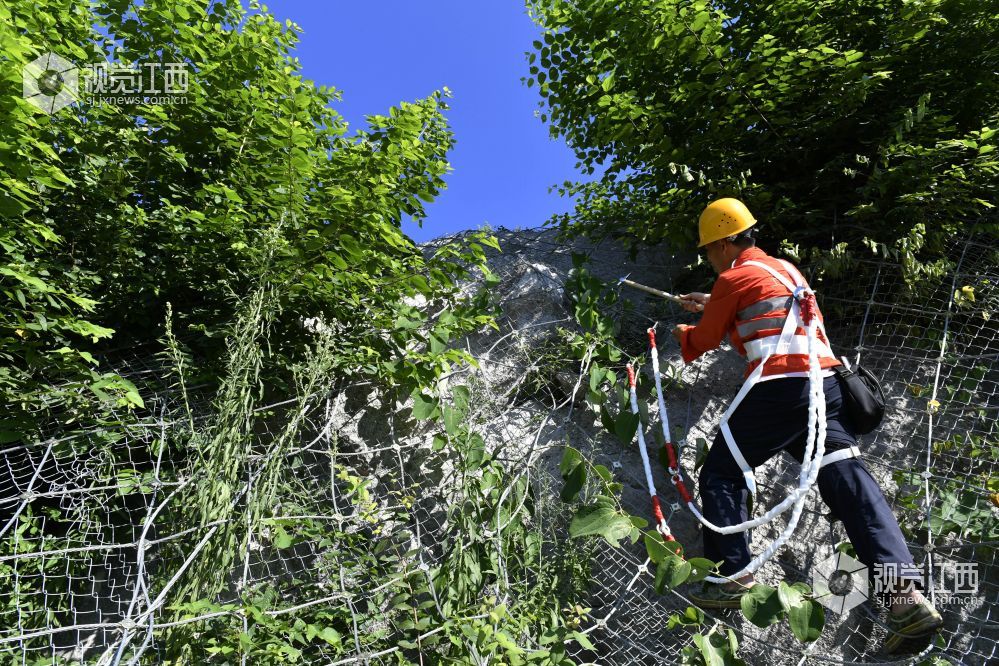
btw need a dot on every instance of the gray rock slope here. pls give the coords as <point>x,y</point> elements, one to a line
<point>528,417</point>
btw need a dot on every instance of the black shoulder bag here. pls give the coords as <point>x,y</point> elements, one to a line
<point>863,397</point>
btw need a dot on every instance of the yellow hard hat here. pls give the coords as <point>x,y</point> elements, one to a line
<point>723,218</point>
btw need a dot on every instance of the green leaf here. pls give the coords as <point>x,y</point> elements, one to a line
<point>600,520</point>
<point>574,482</point>
<point>656,547</point>
<point>281,538</point>
<point>702,453</point>
<point>606,419</point>
<point>452,419</point>
<point>597,375</point>
<point>439,443</point>
<point>437,345</point>
<point>701,568</point>
<point>711,653</point>
<point>625,427</point>
<point>847,548</point>
<point>692,617</point>
<point>761,605</point>
<point>789,596</point>
<point>805,617</point>
<point>8,436</point>
<point>700,21</point>
<point>491,241</point>
<point>583,640</point>
<point>475,451</point>
<point>571,458</point>
<point>461,396</point>
<point>573,471</point>
<point>671,572</point>
<point>424,407</point>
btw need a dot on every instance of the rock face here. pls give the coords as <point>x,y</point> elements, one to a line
<point>519,370</point>
<point>934,456</point>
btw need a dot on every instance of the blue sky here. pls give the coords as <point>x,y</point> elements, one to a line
<point>381,53</point>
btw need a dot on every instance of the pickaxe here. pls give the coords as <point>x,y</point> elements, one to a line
<point>654,292</point>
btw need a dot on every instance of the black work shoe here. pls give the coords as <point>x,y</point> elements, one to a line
<point>921,620</point>
<point>713,595</point>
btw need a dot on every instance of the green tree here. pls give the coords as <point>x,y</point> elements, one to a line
<point>111,211</point>
<point>245,209</point>
<point>48,315</point>
<point>838,122</point>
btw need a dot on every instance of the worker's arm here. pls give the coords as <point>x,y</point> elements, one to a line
<point>715,323</point>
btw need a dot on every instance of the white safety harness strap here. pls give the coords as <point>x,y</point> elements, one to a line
<point>842,454</point>
<point>816,428</point>
<point>766,347</point>
<point>763,352</point>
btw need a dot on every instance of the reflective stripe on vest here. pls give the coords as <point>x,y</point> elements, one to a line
<point>753,319</point>
<point>746,329</point>
<point>766,306</point>
<point>770,345</point>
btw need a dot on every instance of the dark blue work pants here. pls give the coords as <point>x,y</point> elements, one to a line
<point>773,418</point>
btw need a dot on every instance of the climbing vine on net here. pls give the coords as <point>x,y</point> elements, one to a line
<point>931,341</point>
<point>441,530</point>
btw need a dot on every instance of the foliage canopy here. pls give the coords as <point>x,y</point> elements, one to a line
<point>110,211</point>
<point>838,122</point>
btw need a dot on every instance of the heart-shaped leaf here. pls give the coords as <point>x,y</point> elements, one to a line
<point>804,615</point>
<point>761,605</point>
<point>625,427</point>
<point>671,572</point>
<point>601,520</point>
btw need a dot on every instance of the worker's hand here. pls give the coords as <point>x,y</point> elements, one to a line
<point>679,329</point>
<point>694,301</point>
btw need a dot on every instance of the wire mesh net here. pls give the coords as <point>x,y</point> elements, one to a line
<point>98,538</point>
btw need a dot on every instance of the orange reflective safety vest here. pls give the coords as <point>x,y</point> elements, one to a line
<point>755,303</point>
<point>749,305</point>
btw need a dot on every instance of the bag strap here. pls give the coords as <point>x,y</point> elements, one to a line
<point>868,378</point>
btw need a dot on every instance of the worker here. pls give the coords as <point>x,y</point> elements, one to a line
<point>749,302</point>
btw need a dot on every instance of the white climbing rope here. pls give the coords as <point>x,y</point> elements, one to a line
<point>816,428</point>
<point>661,525</point>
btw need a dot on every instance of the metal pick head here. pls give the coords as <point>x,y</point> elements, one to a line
<point>622,279</point>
